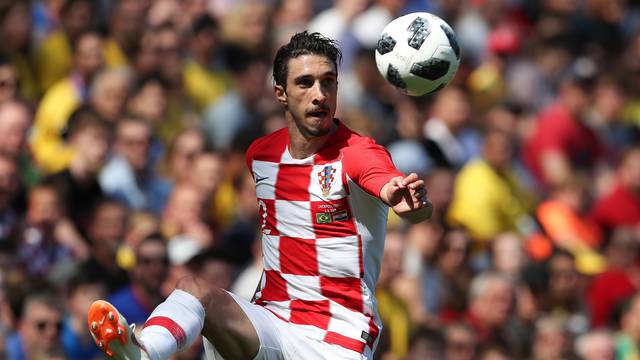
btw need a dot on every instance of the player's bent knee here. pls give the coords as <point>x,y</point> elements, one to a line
<point>194,286</point>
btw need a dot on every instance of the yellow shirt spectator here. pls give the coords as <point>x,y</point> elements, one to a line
<point>395,316</point>
<point>49,149</point>
<point>53,59</point>
<point>28,85</point>
<point>485,202</point>
<point>202,85</point>
<point>114,56</point>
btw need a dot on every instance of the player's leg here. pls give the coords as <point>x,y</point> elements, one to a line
<point>226,325</point>
<point>193,308</point>
<point>112,333</point>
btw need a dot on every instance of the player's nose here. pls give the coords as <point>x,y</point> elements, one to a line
<point>319,95</point>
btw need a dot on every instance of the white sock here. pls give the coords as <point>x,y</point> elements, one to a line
<point>173,325</point>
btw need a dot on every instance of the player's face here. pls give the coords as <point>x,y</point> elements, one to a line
<point>310,96</point>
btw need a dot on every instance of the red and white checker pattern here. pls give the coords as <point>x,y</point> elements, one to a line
<point>315,241</point>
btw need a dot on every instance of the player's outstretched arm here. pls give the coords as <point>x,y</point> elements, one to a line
<point>407,196</point>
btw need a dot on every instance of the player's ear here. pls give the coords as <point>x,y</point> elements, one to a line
<point>281,94</point>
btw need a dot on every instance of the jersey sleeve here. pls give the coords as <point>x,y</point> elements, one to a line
<point>249,156</point>
<point>370,167</point>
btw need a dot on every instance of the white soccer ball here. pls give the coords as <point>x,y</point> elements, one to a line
<point>418,53</point>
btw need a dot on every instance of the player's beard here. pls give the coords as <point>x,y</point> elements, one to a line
<point>318,129</point>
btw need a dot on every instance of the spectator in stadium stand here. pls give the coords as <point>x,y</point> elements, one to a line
<point>564,296</point>
<point>208,175</point>
<point>393,309</point>
<point>9,184</point>
<point>605,115</point>
<point>125,22</point>
<point>106,232</point>
<point>8,80</point>
<point>237,110</point>
<point>15,35</point>
<point>216,266</point>
<point>204,76</point>
<point>238,231</point>
<point>83,289</point>
<point>550,339</point>
<point>617,282</point>
<point>596,344</point>
<point>39,333</point>
<point>15,120</point>
<point>460,342</point>
<point>89,137</point>
<point>488,197</point>
<point>445,283</point>
<point>48,240</point>
<point>178,157</point>
<point>137,300</point>
<point>335,22</point>
<point>109,91</point>
<point>621,206</point>
<point>244,283</point>
<point>183,217</point>
<point>426,343</point>
<point>447,138</point>
<point>247,25</point>
<point>62,98</point>
<point>563,220</point>
<point>53,57</point>
<point>507,254</point>
<point>148,99</point>
<point>440,183</point>
<point>628,336</point>
<point>562,142</point>
<point>129,175</point>
<point>15,123</point>
<point>490,306</point>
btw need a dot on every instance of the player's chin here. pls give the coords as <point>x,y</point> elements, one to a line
<point>318,126</point>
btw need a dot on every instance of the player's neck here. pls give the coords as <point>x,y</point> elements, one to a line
<point>301,146</point>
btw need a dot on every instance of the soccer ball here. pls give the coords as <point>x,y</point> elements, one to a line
<point>418,53</point>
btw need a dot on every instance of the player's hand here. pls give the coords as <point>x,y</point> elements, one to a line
<point>407,196</point>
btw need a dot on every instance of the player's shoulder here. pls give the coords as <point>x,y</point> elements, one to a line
<point>269,147</point>
<point>357,143</point>
<point>355,139</point>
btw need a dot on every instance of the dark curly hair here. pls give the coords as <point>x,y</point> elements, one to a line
<point>304,43</point>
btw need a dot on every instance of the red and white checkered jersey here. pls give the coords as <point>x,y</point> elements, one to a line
<point>323,228</point>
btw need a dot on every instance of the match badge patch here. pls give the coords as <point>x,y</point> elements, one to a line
<point>323,218</point>
<point>340,215</point>
<point>325,177</point>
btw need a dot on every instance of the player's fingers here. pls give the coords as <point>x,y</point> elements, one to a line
<point>397,182</point>
<point>410,179</point>
<point>418,184</point>
<point>420,193</point>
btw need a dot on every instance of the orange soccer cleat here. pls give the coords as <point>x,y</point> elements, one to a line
<point>106,324</point>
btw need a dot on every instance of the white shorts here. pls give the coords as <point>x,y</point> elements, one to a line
<point>279,341</point>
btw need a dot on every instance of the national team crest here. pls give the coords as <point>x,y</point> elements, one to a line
<point>325,177</point>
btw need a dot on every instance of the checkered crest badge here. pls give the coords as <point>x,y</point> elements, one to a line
<point>325,177</point>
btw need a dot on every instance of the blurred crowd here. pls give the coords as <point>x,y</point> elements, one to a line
<point>123,127</point>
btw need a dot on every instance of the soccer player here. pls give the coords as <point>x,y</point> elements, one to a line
<point>323,193</point>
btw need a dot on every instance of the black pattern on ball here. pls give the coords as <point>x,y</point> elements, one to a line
<point>393,76</point>
<point>385,44</point>
<point>431,69</point>
<point>419,29</point>
<point>453,41</point>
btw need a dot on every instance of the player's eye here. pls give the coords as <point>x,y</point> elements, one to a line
<point>305,82</point>
<point>329,82</point>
